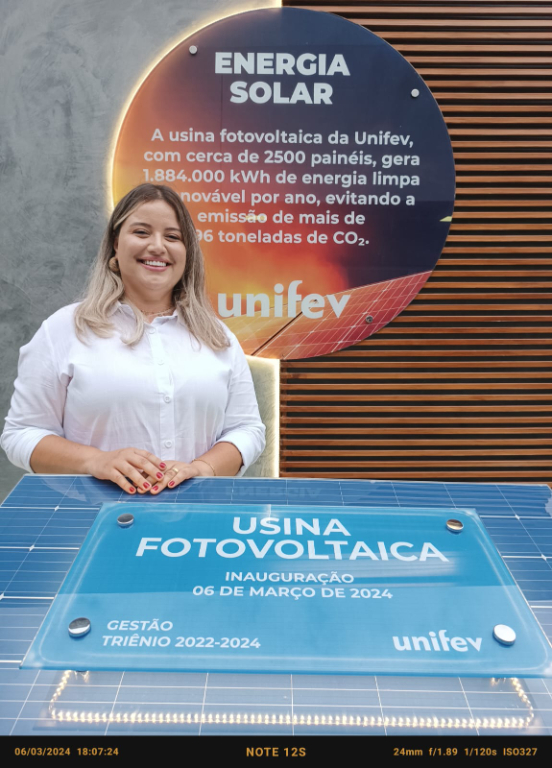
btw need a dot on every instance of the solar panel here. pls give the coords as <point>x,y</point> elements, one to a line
<point>45,519</point>
<point>367,311</point>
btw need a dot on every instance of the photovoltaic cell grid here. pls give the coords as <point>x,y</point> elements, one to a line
<point>254,332</point>
<point>45,520</point>
<point>306,337</point>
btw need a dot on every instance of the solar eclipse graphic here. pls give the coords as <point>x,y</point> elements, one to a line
<point>316,165</point>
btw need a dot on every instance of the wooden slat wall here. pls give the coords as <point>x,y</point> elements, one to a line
<point>458,386</point>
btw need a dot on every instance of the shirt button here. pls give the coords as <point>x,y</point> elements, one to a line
<point>150,330</point>
<point>167,399</point>
<point>160,362</point>
<point>167,443</point>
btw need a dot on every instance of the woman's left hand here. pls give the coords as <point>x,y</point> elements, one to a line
<point>176,472</point>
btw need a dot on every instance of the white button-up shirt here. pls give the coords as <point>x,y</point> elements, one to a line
<point>167,394</point>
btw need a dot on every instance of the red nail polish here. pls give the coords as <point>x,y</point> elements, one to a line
<point>155,488</point>
<point>162,465</point>
<point>159,476</point>
<point>146,486</point>
<point>171,484</point>
<point>132,489</point>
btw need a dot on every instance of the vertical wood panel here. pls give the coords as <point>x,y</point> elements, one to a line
<point>458,386</point>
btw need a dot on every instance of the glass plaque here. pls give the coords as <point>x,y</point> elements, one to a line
<point>289,589</point>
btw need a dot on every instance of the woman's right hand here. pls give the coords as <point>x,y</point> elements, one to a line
<point>124,465</point>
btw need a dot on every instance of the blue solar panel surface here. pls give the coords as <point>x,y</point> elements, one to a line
<point>45,519</point>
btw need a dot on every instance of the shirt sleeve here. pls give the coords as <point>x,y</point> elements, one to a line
<point>242,423</point>
<point>38,401</point>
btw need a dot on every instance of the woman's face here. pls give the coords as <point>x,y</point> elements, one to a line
<point>151,254</point>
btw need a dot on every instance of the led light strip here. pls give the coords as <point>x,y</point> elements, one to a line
<point>268,393</point>
<point>337,721</point>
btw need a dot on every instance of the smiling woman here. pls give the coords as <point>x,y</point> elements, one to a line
<point>139,383</point>
<point>150,257</point>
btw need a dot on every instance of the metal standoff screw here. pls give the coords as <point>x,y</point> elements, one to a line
<point>455,526</point>
<point>193,49</point>
<point>79,627</point>
<point>504,634</point>
<point>369,318</point>
<point>125,520</point>
<point>414,93</point>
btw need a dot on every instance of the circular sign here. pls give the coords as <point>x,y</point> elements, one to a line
<point>316,165</point>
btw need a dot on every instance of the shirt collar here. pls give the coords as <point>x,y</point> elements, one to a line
<point>125,309</point>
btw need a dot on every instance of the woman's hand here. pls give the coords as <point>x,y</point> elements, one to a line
<point>142,469</point>
<point>178,471</point>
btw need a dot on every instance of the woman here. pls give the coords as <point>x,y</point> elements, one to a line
<point>140,383</point>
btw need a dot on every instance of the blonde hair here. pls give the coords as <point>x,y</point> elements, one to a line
<point>105,288</point>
